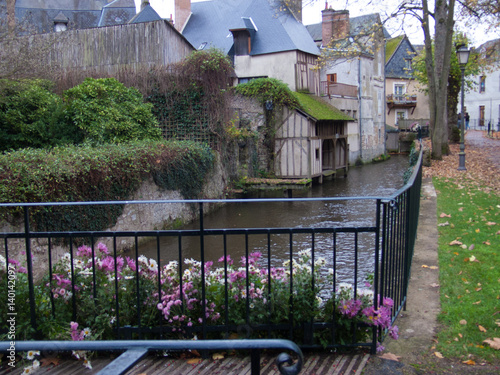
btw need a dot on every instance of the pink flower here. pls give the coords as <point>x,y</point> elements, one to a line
<point>84,251</point>
<point>102,248</point>
<point>394,332</point>
<point>228,259</point>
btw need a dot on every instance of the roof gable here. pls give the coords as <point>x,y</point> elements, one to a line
<point>148,14</point>
<point>276,29</point>
<point>397,62</point>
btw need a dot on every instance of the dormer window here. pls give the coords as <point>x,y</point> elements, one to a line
<point>60,22</point>
<point>243,37</point>
<point>242,42</point>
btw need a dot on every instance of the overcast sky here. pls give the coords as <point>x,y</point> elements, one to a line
<point>312,14</point>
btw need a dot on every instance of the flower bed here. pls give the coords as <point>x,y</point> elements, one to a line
<point>104,292</point>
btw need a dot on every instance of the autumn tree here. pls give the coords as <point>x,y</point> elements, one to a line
<point>454,79</point>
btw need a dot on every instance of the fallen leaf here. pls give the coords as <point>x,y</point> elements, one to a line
<point>491,223</point>
<point>472,258</point>
<point>439,355</point>
<point>433,267</point>
<point>481,328</point>
<point>425,266</point>
<point>455,242</point>
<point>476,303</point>
<point>443,224</point>
<point>461,209</point>
<point>435,285</point>
<point>216,356</point>
<point>390,356</point>
<point>469,362</point>
<point>46,361</point>
<point>460,335</point>
<point>495,343</point>
<point>487,243</point>
<point>478,230</point>
<point>194,361</point>
<point>471,247</point>
<point>463,322</point>
<point>444,215</point>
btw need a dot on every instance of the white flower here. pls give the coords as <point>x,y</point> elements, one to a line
<point>172,265</point>
<point>306,253</point>
<point>366,293</point>
<point>28,370</point>
<point>193,262</point>
<point>142,259</point>
<point>86,332</point>
<point>32,353</point>
<point>87,364</point>
<point>3,263</point>
<point>152,265</point>
<point>36,364</point>
<point>320,262</point>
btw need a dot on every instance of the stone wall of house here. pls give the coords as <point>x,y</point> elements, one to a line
<point>251,154</point>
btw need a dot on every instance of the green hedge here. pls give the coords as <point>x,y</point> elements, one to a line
<point>96,111</point>
<point>108,172</point>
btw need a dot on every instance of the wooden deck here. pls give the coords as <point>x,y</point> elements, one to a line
<point>317,364</point>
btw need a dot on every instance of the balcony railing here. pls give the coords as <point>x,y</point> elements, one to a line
<point>401,101</point>
<point>338,89</point>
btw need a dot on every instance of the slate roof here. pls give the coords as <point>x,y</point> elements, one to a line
<point>398,51</point>
<point>148,14</point>
<point>81,14</point>
<point>276,30</point>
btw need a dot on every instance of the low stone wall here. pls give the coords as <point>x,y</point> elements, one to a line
<point>135,217</point>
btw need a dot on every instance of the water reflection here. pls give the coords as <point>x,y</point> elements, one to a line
<point>379,179</point>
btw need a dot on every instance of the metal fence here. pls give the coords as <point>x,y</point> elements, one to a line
<point>314,298</point>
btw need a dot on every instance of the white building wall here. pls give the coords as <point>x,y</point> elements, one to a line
<point>277,65</point>
<point>490,99</point>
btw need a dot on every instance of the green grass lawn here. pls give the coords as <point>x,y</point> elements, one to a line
<point>469,262</point>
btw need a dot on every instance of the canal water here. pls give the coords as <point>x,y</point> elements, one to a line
<point>371,180</point>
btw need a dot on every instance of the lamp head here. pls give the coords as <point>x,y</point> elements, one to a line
<point>463,55</point>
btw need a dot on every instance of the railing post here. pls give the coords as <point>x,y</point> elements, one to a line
<point>29,265</point>
<point>202,256</point>
<point>255,361</point>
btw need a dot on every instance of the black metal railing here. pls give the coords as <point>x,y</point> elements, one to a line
<point>162,298</point>
<point>134,351</point>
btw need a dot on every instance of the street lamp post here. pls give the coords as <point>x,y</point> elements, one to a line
<point>463,57</point>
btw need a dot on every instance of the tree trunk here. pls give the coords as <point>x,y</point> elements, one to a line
<point>438,68</point>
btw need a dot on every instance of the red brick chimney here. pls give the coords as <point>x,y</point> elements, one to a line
<point>335,24</point>
<point>182,13</point>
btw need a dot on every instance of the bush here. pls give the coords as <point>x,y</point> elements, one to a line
<point>108,112</point>
<point>109,172</point>
<point>31,115</point>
